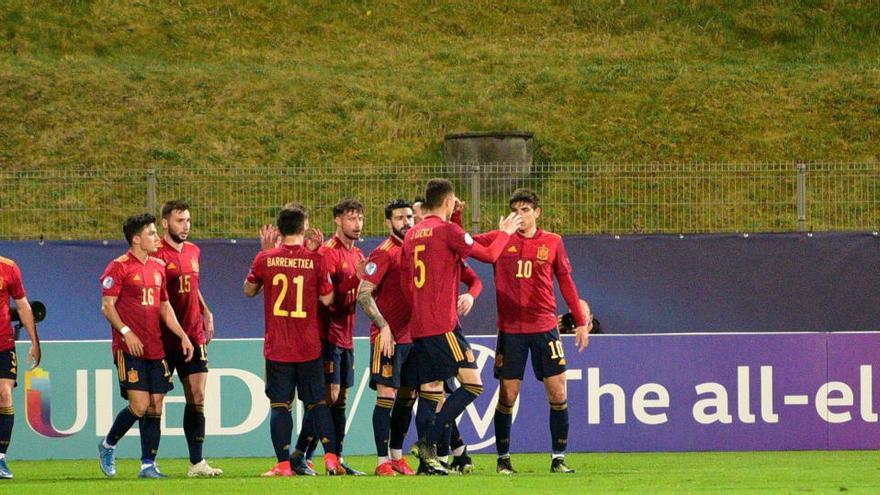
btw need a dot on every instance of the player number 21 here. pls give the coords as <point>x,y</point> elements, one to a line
<point>419,279</point>
<point>298,281</point>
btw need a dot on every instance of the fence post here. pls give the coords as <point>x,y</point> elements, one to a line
<point>151,191</point>
<point>802,197</point>
<point>474,207</point>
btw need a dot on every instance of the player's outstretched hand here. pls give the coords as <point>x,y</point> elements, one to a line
<point>270,237</point>
<point>459,206</point>
<point>582,337</point>
<point>360,268</point>
<point>510,223</point>
<point>314,239</point>
<point>386,341</point>
<point>35,355</point>
<point>465,303</point>
<point>187,348</point>
<point>134,344</point>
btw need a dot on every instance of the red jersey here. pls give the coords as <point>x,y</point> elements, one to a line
<point>10,286</point>
<point>383,270</point>
<point>292,277</point>
<point>139,289</point>
<point>182,274</point>
<point>431,269</point>
<point>338,320</point>
<point>524,281</point>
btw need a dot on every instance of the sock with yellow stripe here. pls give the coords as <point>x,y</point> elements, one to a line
<point>318,415</point>
<point>194,430</point>
<point>401,415</point>
<point>7,419</point>
<point>559,426</point>
<point>427,409</point>
<point>503,422</point>
<point>452,408</point>
<point>337,413</point>
<point>123,422</point>
<point>151,434</point>
<point>382,424</point>
<point>281,430</point>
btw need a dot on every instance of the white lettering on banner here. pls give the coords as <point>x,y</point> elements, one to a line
<point>867,394</point>
<point>767,414</point>
<point>743,400</point>
<point>824,402</point>
<point>595,391</point>
<point>718,403</point>
<point>641,403</point>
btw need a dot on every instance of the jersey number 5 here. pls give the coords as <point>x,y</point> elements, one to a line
<point>298,281</point>
<point>419,279</point>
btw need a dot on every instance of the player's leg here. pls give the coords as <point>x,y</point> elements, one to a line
<point>346,381</point>
<point>7,413</point>
<point>548,361</point>
<point>151,435</point>
<point>406,376</point>
<point>511,355</point>
<point>280,381</point>
<point>382,382</point>
<point>133,389</point>
<point>310,389</point>
<point>194,385</point>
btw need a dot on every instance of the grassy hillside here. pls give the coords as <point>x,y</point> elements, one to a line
<point>203,83</point>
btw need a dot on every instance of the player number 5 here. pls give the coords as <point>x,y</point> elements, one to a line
<point>299,281</point>
<point>420,267</point>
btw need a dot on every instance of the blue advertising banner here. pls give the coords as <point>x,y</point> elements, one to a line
<point>625,393</point>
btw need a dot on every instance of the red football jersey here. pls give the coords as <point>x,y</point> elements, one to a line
<point>383,270</point>
<point>10,286</point>
<point>182,274</point>
<point>431,269</point>
<point>524,281</point>
<point>139,289</point>
<point>292,278</point>
<point>338,320</point>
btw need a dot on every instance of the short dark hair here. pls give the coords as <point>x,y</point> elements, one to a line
<point>135,224</point>
<point>395,204</point>
<point>292,219</point>
<point>347,205</point>
<point>174,205</point>
<point>436,191</point>
<point>524,195</point>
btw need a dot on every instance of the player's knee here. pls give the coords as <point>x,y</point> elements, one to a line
<point>139,408</point>
<point>556,396</point>
<point>198,397</point>
<point>508,395</point>
<point>5,395</point>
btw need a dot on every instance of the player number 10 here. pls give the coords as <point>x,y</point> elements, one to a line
<point>523,269</point>
<point>556,351</point>
<point>299,281</point>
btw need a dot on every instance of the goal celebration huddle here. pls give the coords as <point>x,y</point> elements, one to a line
<point>413,288</point>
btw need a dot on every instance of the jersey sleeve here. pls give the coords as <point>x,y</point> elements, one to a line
<point>255,275</point>
<point>111,280</point>
<point>561,263</point>
<point>487,238</point>
<point>458,240</point>
<point>325,282</point>
<point>15,286</point>
<point>470,278</point>
<point>377,266</point>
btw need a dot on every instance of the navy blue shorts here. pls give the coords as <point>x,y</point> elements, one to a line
<point>338,365</point>
<point>512,350</point>
<point>147,375</point>
<point>9,365</point>
<point>397,371</point>
<point>198,363</point>
<point>439,357</point>
<point>306,379</point>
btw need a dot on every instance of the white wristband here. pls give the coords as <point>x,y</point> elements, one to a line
<point>124,330</point>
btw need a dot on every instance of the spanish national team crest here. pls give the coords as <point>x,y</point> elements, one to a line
<point>387,370</point>
<point>157,278</point>
<point>195,265</point>
<point>543,253</point>
<point>132,376</point>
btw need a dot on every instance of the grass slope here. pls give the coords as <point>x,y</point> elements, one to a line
<point>740,472</point>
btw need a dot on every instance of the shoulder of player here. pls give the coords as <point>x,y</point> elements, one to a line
<point>121,259</point>
<point>551,237</point>
<point>158,261</point>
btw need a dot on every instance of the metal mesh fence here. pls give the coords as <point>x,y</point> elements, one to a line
<point>575,198</point>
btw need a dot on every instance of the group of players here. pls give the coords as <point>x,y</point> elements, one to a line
<point>409,289</point>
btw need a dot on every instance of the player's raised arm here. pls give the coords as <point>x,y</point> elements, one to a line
<point>506,227</point>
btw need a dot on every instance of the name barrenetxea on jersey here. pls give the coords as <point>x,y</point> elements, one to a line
<point>290,262</point>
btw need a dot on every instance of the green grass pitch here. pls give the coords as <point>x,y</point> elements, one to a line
<point>706,472</point>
